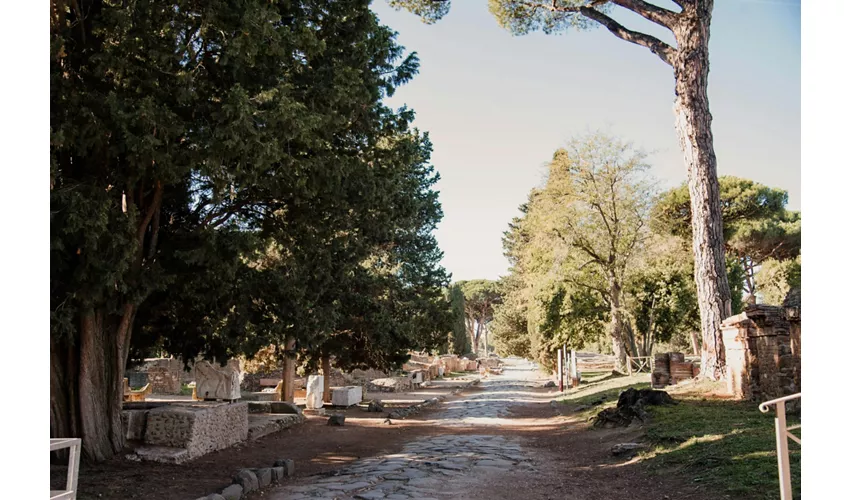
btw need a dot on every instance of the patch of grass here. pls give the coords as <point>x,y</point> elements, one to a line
<point>185,390</point>
<point>455,374</point>
<point>727,444</point>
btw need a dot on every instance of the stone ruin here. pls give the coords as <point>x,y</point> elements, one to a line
<point>175,433</point>
<point>215,382</point>
<point>763,350</point>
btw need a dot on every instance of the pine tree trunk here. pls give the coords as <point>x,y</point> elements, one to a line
<point>289,371</point>
<point>86,383</point>
<point>693,125</point>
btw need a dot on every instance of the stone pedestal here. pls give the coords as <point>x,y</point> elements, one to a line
<point>315,390</point>
<point>346,396</point>
<point>214,382</point>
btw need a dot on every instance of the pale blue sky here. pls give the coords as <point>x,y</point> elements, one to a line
<point>498,106</point>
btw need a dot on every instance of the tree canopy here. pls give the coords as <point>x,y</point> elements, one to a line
<point>225,177</point>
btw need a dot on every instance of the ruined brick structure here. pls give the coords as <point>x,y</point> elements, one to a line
<point>763,352</point>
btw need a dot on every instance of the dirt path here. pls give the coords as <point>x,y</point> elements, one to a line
<point>500,440</point>
<point>504,441</point>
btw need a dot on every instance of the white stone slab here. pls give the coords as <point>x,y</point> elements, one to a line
<point>346,396</point>
<point>214,382</point>
<point>315,391</point>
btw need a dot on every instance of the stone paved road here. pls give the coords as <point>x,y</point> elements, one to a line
<point>441,467</point>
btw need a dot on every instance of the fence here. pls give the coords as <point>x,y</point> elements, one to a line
<point>782,435</point>
<point>70,491</point>
<point>639,364</point>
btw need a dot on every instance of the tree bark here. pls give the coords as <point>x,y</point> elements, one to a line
<point>86,382</point>
<point>693,126</point>
<point>289,371</point>
<point>618,342</point>
<point>326,372</point>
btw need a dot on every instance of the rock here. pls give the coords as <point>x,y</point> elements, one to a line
<point>259,407</point>
<point>285,407</point>
<point>336,420</point>
<point>550,384</point>
<point>264,476</point>
<point>247,479</point>
<point>375,406</point>
<point>278,473</point>
<point>215,496</point>
<point>232,492</point>
<point>627,448</point>
<point>315,391</point>
<point>288,466</point>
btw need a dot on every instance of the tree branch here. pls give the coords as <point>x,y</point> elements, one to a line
<point>654,13</point>
<point>656,46</point>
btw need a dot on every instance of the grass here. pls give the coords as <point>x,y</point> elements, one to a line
<point>185,390</point>
<point>728,445</point>
<point>455,374</point>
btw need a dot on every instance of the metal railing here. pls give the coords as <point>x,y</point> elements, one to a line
<point>782,435</point>
<point>70,491</point>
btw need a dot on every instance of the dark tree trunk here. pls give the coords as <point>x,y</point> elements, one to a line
<point>693,125</point>
<point>326,373</point>
<point>86,383</point>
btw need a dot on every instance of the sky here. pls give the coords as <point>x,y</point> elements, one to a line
<point>497,107</point>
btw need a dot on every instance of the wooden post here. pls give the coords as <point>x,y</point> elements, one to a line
<point>326,373</point>
<point>629,365</point>
<point>288,391</point>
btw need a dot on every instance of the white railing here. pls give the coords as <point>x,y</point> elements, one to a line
<point>70,491</point>
<point>782,435</point>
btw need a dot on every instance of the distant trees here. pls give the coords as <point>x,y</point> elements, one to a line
<point>596,254</point>
<point>757,227</point>
<point>480,297</point>
<point>458,341</point>
<point>225,177</point>
<point>576,246</point>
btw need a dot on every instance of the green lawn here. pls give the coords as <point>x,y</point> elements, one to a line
<point>727,444</point>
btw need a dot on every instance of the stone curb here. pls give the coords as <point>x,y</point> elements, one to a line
<point>406,412</point>
<point>250,480</point>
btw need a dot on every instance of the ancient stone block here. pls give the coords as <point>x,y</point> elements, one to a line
<point>336,420</point>
<point>288,466</point>
<point>232,492</point>
<point>197,429</point>
<point>278,473</point>
<point>135,423</point>
<point>264,476</point>
<point>346,396</point>
<point>213,382</point>
<point>285,407</point>
<point>315,391</point>
<point>247,479</point>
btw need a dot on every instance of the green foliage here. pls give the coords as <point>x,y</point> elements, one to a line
<point>480,298</point>
<point>777,278</point>
<point>522,17</point>
<point>458,338</point>
<point>575,246</point>
<point>270,194</point>
<point>430,11</point>
<point>756,225</point>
